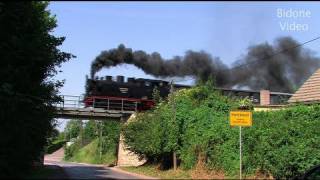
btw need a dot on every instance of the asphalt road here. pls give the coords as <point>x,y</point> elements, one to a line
<point>86,171</point>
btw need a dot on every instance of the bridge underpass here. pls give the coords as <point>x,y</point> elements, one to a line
<point>72,107</point>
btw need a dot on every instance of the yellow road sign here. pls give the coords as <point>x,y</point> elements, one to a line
<point>240,118</point>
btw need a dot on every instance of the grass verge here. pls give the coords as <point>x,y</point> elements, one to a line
<point>90,154</point>
<point>196,173</point>
<point>153,171</point>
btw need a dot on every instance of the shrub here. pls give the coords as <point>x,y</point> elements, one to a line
<point>284,143</point>
<point>69,151</point>
<point>281,143</point>
<point>54,146</point>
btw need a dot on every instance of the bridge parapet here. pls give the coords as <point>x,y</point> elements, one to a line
<point>69,101</point>
<point>73,107</point>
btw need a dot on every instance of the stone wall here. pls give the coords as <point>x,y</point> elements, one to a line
<point>126,157</point>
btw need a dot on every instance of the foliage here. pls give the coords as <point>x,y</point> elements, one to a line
<point>53,136</point>
<point>72,129</point>
<point>90,153</point>
<point>284,143</point>
<point>281,143</point>
<point>194,114</point>
<point>90,131</point>
<point>71,150</point>
<point>153,171</point>
<point>110,136</point>
<point>54,146</point>
<point>55,142</point>
<point>156,95</point>
<point>29,58</point>
<point>245,104</point>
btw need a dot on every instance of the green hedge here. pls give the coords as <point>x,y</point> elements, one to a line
<point>54,146</point>
<point>284,143</point>
<point>281,143</point>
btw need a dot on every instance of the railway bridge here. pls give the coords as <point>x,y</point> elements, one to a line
<point>72,107</point>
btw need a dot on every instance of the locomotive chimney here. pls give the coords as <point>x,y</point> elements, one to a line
<point>120,79</point>
<point>109,78</point>
<point>131,80</point>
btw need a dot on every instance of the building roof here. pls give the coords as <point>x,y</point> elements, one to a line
<point>310,91</point>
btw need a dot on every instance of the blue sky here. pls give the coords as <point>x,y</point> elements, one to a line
<point>224,29</point>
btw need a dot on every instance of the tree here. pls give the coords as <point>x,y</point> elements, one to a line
<point>90,130</point>
<point>72,129</point>
<point>29,59</point>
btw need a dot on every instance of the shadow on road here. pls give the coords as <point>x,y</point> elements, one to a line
<point>82,171</point>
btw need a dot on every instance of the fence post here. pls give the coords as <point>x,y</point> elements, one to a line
<point>94,101</point>
<point>136,106</point>
<point>108,104</point>
<point>121,104</point>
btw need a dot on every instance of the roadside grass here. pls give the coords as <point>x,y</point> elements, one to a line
<point>198,172</point>
<point>153,171</point>
<point>45,172</point>
<point>90,154</point>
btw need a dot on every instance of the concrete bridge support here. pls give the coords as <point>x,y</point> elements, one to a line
<point>126,157</point>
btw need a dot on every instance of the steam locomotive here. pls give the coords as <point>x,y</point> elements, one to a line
<point>136,94</point>
<point>116,94</point>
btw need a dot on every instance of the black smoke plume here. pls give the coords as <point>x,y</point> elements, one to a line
<point>198,64</point>
<point>279,67</point>
<point>263,67</point>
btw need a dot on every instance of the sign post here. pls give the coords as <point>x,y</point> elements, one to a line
<point>241,118</point>
<point>240,151</point>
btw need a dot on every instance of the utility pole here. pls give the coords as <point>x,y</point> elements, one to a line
<point>100,138</point>
<point>81,133</point>
<point>174,121</point>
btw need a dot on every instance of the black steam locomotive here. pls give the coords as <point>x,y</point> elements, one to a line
<point>134,94</point>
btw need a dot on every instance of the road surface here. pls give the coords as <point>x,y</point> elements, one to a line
<point>87,171</point>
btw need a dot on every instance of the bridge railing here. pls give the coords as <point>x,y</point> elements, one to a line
<point>108,103</point>
<point>69,101</point>
<point>112,103</point>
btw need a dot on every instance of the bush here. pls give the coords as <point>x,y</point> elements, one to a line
<point>281,143</point>
<point>54,146</point>
<point>90,152</point>
<point>110,136</point>
<point>71,150</point>
<point>195,114</point>
<point>284,143</point>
